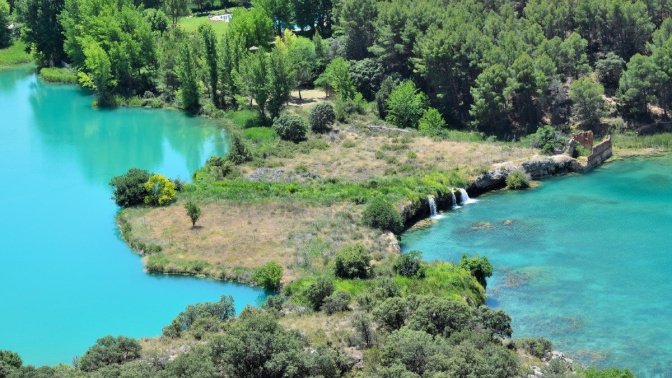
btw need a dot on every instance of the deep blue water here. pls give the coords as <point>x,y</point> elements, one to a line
<point>66,277</point>
<point>583,260</point>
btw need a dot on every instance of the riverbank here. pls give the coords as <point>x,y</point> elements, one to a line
<point>15,56</point>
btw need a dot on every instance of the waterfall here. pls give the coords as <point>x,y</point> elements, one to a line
<point>433,213</point>
<point>452,194</point>
<point>465,197</point>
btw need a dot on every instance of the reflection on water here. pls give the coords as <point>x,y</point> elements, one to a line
<point>66,277</point>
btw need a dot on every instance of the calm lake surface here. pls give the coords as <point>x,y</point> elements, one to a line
<point>583,260</point>
<point>66,277</point>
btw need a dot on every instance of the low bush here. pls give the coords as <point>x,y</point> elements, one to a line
<point>352,262</point>
<point>518,179</point>
<point>160,190</point>
<point>547,138</point>
<point>317,291</point>
<point>381,214</point>
<point>239,152</point>
<point>539,348</point>
<point>290,128</point>
<point>129,189</point>
<point>322,117</point>
<point>409,264</point>
<point>268,276</point>
<point>110,350</point>
<point>479,267</point>
<point>337,302</point>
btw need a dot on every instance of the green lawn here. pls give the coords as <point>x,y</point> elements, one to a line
<point>15,54</point>
<point>191,24</point>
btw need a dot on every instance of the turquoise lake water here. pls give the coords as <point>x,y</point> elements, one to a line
<point>583,260</point>
<point>66,277</point>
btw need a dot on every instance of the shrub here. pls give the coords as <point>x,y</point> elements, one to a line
<point>290,128</point>
<point>319,290</point>
<point>480,268</point>
<point>161,190</point>
<point>274,302</point>
<point>322,117</point>
<point>12,359</point>
<point>193,211</point>
<point>391,314</point>
<point>386,88</point>
<point>220,167</point>
<point>547,139</point>
<point>518,179</point>
<point>173,331</point>
<point>337,302</point>
<point>431,123</point>
<point>129,189</point>
<point>346,108</point>
<point>539,348</point>
<point>268,276</point>
<point>110,350</point>
<point>222,310</point>
<point>352,262</point>
<point>406,105</point>
<point>381,214</point>
<point>409,264</point>
<point>239,153</point>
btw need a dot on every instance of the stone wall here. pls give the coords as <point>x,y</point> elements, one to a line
<point>584,138</point>
<point>601,152</point>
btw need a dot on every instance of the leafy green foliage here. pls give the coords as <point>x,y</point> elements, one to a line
<point>253,26</point>
<point>406,105</point>
<point>336,78</point>
<point>187,72</point>
<point>268,276</point>
<point>539,348</point>
<point>322,117</point>
<point>5,33</point>
<point>290,128</point>
<point>480,268</point>
<point>41,29</point>
<point>110,350</point>
<point>588,105</point>
<point>193,212</point>
<point>381,214</point>
<point>337,302</point>
<point>161,190</point>
<point>518,179</point>
<point>221,310</point>
<point>129,188</point>
<point>391,313</point>
<point>410,264</point>
<point>431,123</point>
<point>319,290</point>
<point>239,152</point>
<point>12,359</point>
<point>352,262</point>
<point>609,71</point>
<point>547,138</point>
<point>281,80</point>
<point>367,75</point>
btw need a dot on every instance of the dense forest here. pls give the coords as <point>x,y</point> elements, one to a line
<point>499,67</point>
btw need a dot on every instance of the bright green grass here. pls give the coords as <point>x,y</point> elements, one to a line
<point>58,75</point>
<point>661,141</point>
<point>260,134</point>
<point>14,55</point>
<point>191,24</point>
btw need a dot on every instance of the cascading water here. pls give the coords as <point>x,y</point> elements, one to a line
<point>433,213</point>
<point>465,197</point>
<point>452,194</point>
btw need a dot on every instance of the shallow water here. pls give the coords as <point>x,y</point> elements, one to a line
<point>583,260</point>
<point>66,277</point>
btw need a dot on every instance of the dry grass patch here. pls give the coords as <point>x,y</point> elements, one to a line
<point>231,239</point>
<point>354,155</point>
